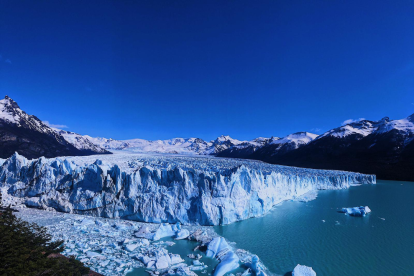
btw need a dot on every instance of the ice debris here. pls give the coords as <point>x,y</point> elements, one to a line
<point>256,267</point>
<point>162,189</point>
<point>357,211</point>
<point>115,247</point>
<point>302,270</point>
<point>218,248</point>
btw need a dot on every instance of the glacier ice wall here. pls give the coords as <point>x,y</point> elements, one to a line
<point>190,190</point>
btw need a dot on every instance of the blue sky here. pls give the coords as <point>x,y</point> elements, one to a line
<point>164,69</point>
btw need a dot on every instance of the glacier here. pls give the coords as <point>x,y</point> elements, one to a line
<point>160,188</point>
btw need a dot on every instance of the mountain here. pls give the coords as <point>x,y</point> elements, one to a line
<point>222,143</point>
<point>81,142</point>
<point>175,146</point>
<point>192,146</point>
<point>246,148</point>
<point>109,144</point>
<point>384,148</point>
<point>29,136</point>
<point>269,147</point>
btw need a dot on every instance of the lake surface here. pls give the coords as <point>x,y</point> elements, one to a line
<point>382,243</point>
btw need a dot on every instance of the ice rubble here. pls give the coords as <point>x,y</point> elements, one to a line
<point>111,247</point>
<point>256,266</point>
<point>219,248</point>
<point>357,211</point>
<point>162,189</point>
<point>302,270</point>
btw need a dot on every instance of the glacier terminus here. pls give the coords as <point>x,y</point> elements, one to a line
<point>162,188</point>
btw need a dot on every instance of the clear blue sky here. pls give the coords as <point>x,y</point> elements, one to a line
<point>164,69</point>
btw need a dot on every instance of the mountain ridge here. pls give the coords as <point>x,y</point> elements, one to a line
<point>384,147</point>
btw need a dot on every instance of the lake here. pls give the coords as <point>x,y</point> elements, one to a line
<point>317,235</point>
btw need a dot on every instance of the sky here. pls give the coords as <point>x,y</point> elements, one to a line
<point>165,69</point>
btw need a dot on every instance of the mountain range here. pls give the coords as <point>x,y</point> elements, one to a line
<point>384,147</point>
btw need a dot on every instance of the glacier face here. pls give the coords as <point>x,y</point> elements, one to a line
<point>158,188</point>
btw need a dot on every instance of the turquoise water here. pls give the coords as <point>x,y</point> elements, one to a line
<point>382,243</point>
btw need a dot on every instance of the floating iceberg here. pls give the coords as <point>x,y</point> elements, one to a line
<point>357,211</point>
<point>162,189</point>
<point>302,270</point>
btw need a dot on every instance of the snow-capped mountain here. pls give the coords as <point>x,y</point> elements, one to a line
<point>357,130</point>
<point>222,143</point>
<point>11,114</point>
<point>81,142</point>
<point>174,146</point>
<point>270,146</point>
<point>192,146</point>
<point>29,136</point>
<point>295,140</point>
<point>384,147</point>
<point>109,144</point>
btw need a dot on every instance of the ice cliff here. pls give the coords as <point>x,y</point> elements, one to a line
<point>189,190</point>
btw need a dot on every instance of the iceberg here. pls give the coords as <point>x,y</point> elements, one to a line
<point>167,230</point>
<point>164,230</point>
<point>256,267</point>
<point>181,271</point>
<point>302,270</point>
<point>229,262</point>
<point>218,248</point>
<point>163,259</point>
<point>162,189</point>
<point>182,234</point>
<point>357,211</point>
<point>92,254</point>
<point>131,247</point>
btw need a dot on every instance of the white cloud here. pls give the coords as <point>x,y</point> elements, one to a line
<point>350,121</point>
<point>55,126</point>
